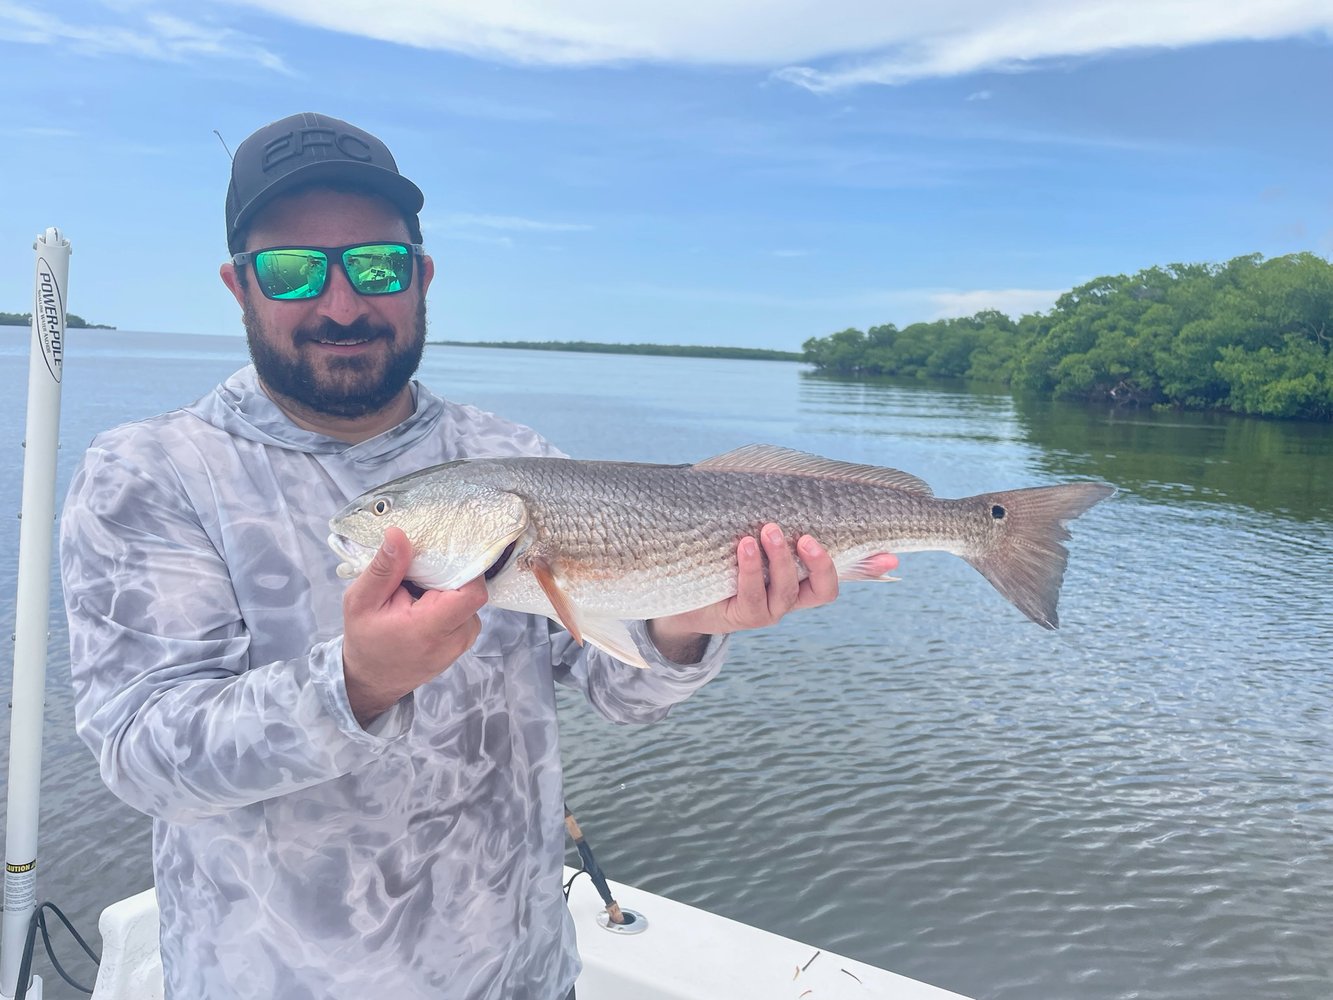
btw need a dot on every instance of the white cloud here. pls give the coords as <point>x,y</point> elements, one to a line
<point>495,230</point>
<point>495,241</point>
<point>138,31</point>
<point>904,305</point>
<point>1013,302</point>
<point>514,223</point>
<point>826,46</point>
<point>1020,35</point>
<point>867,41</point>
<point>852,307</point>
<point>732,296</point>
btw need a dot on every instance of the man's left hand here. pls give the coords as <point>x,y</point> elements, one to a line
<point>756,603</point>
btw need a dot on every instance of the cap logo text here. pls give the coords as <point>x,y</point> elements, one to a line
<point>296,142</point>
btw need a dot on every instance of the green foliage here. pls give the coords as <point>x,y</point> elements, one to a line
<point>843,353</point>
<point>1293,381</point>
<point>72,322</point>
<point>1251,336</point>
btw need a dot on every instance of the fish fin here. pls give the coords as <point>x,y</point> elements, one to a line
<point>564,607</point>
<point>611,635</point>
<point>789,462</point>
<point>866,568</point>
<point>1026,561</point>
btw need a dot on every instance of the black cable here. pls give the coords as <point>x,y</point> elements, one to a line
<point>25,966</point>
<point>46,940</point>
<point>38,922</point>
<point>570,884</point>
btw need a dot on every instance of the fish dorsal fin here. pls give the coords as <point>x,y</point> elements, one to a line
<point>788,461</point>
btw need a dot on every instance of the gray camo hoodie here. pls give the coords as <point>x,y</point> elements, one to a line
<point>297,855</point>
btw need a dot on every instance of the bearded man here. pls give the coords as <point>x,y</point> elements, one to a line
<point>355,788</point>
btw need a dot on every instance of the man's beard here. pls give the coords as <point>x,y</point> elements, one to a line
<point>351,386</point>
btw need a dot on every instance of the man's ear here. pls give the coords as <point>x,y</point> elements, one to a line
<point>427,272</point>
<point>233,282</point>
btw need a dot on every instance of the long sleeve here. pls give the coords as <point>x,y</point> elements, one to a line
<point>626,694</point>
<point>182,723</point>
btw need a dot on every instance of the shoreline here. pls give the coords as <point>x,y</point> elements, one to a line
<point>662,350</point>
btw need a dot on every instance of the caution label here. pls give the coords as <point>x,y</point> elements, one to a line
<point>21,886</point>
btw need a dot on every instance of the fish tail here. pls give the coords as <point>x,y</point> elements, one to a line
<point>1025,560</point>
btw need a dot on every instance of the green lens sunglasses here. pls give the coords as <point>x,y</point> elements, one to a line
<point>287,273</point>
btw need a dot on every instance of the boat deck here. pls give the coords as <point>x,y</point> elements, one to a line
<point>675,952</point>
<point>690,954</point>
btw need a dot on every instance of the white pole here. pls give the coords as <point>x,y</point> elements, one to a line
<point>32,609</point>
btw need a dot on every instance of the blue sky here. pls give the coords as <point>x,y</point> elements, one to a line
<point>743,173</point>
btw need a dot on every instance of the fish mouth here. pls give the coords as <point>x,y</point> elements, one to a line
<point>355,556</point>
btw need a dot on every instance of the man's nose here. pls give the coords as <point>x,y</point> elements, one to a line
<point>339,302</point>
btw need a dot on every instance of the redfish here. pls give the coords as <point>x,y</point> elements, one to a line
<point>593,544</point>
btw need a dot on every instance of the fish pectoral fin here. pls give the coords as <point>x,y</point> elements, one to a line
<point>869,567</point>
<point>564,607</point>
<point>611,635</point>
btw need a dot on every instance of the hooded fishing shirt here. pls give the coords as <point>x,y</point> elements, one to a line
<point>296,854</point>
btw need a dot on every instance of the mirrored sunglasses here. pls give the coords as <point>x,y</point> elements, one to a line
<point>302,272</point>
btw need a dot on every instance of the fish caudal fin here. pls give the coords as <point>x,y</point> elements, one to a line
<point>1026,560</point>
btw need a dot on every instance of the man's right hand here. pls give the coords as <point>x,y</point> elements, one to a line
<point>394,642</point>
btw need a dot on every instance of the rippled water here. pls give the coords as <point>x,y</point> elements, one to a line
<point>1137,806</point>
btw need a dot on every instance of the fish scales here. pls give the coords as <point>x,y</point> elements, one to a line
<point>629,517</point>
<point>621,540</point>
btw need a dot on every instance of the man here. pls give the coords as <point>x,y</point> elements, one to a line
<point>355,788</point>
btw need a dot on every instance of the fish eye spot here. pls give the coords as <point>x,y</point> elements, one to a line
<point>381,506</point>
<point>998,512</point>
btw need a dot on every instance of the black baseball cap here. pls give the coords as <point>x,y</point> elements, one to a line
<point>305,149</point>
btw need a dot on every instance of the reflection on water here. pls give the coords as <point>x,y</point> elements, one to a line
<point>1283,467</point>
<point>1280,467</point>
<point>1139,805</point>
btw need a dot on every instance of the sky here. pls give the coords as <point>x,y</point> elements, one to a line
<point>727,172</point>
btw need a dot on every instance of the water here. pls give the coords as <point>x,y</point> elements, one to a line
<point>1137,806</point>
